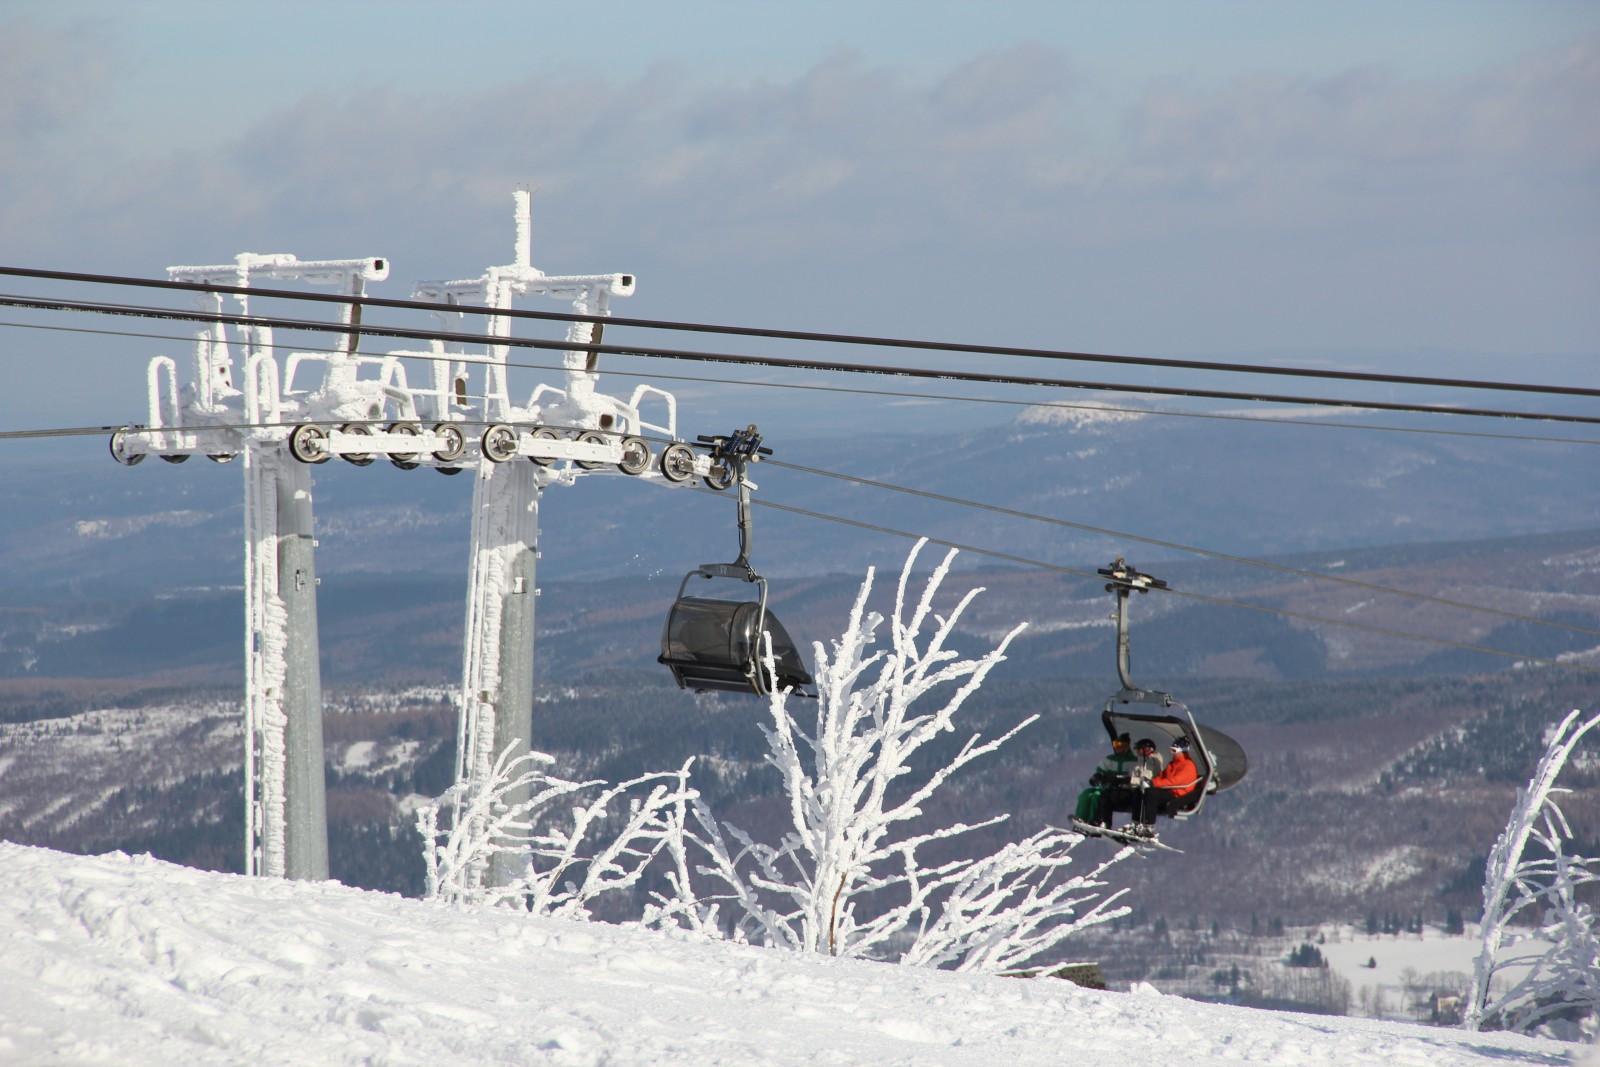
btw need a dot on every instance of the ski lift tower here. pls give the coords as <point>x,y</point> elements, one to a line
<point>286,833</point>
<point>558,436</point>
<point>364,408</point>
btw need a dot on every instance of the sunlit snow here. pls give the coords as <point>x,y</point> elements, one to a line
<point>128,960</point>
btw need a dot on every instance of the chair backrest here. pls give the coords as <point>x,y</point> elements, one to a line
<point>715,644</point>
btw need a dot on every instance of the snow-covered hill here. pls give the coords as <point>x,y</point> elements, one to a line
<point>127,960</point>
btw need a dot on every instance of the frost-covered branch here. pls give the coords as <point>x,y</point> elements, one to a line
<point>473,828</point>
<point>1008,908</point>
<point>848,880</point>
<point>1566,979</point>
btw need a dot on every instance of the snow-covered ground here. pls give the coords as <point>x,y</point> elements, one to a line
<point>1392,956</point>
<point>131,961</point>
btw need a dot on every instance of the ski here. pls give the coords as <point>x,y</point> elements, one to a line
<point>1122,836</point>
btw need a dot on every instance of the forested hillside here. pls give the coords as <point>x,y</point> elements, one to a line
<point>1381,770</point>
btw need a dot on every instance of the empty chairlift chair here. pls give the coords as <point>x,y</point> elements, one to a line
<point>711,643</point>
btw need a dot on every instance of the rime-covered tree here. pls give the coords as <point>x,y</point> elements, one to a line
<point>473,826</point>
<point>1540,888</point>
<point>848,880</point>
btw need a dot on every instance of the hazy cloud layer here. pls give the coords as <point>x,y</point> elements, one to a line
<point>50,84</point>
<point>1307,200</point>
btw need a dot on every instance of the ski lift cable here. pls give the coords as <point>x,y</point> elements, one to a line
<point>1094,406</point>
<point>1206,598</point>
<point>83,431</point>
<point>367,329</point>
<point>996,509</point>
<point>595,348</point>
<point>797,335</point>
<point>1026,561</point>
<point>1209,553</point>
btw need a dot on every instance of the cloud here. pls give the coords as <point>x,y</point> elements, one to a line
<point>1366,126</point>
<point>1312,195</point>
<point>780,167</point>
<point>50,82</point>
<point>47,80</point>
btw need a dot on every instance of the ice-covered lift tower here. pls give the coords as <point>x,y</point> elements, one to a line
<point>593,432</point>
<point>282,423</point>
<point>285,805</point>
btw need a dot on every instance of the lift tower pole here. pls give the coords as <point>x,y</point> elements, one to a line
<point>497,662</point>
<point>287,814</point>
<point>286,826</point>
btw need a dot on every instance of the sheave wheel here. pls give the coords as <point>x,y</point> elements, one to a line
<point>455,442</point>
<point>720,476</point>
<point>119,450</point>
<point>356,429</point>
<point>593,438</point>
<point>636,456</point>
<point>544,433</point>
<point>308,443</point>
<point>677,462</point>
<point>500,443</point>
<point>405,460</point>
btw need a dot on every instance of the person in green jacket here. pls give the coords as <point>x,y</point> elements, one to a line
<point>1113,772</point>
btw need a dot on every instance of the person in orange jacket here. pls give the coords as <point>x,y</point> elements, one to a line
<point>1177,779</point>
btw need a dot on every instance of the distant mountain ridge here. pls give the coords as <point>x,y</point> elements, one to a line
<point>1243,487</point>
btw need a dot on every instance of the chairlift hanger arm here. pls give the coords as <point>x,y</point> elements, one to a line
<point>736,451</point>
<point>1124,579</point>
<point>717,644</point>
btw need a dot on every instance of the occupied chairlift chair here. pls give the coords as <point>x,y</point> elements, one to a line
<point>715,644</point>
<point>1219,759</point>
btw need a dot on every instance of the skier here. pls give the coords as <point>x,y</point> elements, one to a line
<point>1112,773</point>
<point>1177,780</point>
<point>1129,796</point>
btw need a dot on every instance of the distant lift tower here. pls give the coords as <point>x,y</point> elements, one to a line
<point>286,833</point>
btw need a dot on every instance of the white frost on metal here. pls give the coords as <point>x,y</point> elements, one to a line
<point>577,406</point>
<point>224,414</point>
<point>505,498</point>
<point>503,525</point>
<point>247,397</point>
<point>266,666</point>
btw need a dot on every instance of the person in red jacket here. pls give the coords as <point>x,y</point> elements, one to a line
<point>1177,779</point>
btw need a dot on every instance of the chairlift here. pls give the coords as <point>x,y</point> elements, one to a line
<point>714,643</point>
<point>1219,760</point>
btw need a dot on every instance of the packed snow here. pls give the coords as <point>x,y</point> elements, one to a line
<point>130,961</point>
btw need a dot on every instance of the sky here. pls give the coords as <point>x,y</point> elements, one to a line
<point>1370,185</point>
<point>129,960</point>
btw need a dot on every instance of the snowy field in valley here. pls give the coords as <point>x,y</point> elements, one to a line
<point>1392,956</point>
<point>132,961</point>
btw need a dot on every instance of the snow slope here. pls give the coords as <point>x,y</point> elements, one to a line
<point>128,960</point>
